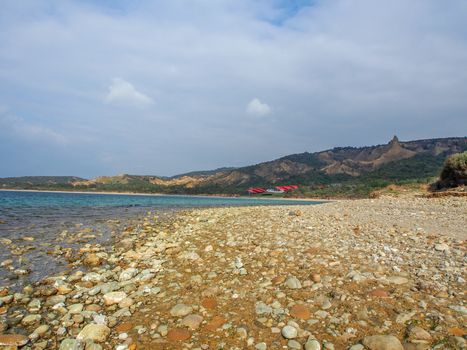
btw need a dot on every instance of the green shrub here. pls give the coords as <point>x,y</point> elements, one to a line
<point>454,172</point>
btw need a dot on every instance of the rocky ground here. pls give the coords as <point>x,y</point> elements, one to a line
<point>383,274</point>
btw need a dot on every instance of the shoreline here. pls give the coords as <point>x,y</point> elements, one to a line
<point>172,195</point>
<point>343,274</point>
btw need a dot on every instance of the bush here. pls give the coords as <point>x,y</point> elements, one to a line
<point>454,171</point>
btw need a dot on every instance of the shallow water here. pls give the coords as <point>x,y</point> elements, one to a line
<point>34,226</point>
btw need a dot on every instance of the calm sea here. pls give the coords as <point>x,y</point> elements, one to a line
<point>36,226</point>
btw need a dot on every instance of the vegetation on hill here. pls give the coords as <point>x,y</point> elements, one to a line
<point>339,172</point>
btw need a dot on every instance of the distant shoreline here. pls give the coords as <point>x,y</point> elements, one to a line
<point>164,194</point>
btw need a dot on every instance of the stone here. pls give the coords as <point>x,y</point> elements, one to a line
<point>289,332</point>
<point>13,339</point>
<point>92,277</point>
<point>209,302</point>
<point>31,319</point>
<point>416,346</point>
<point>93,346</point>
<point>42,329</point>
<point>357,347</point>
<point>71,344</point>
<point>242,332</point>
<point>215,323</point>
<point>278,280</point>
<point>54,300</point>
<point>128,274</point>
<point>312,344</point>
<point>92,259</point>
<point>397,280</point>
<point>459,308</point>
<point>293,344</point>
<point>75,308</point>
<point>114,297</point>
<point>300,311</point>
<point>418,333</point>
<point>441,247</point>
<point>181,310</point>
<point>379,293</point>
<point>261,346</point>
<point>382,342</point>
<point>124,327</point>
<point>163,330</point>
<point>263,309</point>
<point>125,303</point>
<point>456,331</point>
<point>178,334</point>
<point>190,256</point>
<point>316,278</point>
<point>293,283</point>
<point>404,317</point>
<point>64,289</point>
<point>95,332</point>
<point>192,321</point>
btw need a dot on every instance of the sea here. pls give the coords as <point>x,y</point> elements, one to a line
<point>38,228</point>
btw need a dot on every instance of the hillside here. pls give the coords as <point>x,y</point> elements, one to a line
<point>341,171</point>
<point>38,181</point>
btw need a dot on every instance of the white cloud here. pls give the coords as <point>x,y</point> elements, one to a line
<point>258,108</point>
<point>123,92</point>
<point>28,131</point>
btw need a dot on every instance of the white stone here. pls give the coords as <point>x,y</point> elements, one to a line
<point>312,345</point>
<point>128,274</point>
<point>114,297</point>
<point>293,283</point>
<point>289,332</point>
<point>181,310</point>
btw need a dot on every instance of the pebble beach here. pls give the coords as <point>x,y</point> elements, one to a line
<point>377,274</point>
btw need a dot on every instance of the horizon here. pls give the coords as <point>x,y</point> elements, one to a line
<point>167,87</point>
<point>228,167</point>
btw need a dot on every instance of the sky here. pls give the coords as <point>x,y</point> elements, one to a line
<point>105,87</point>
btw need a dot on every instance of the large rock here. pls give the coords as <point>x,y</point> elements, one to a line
<point>95,332</point>
<point>13,339</point>
<point>382,342</point>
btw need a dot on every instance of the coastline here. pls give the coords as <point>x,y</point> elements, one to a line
<point>341,273</point>
<point>171,195</point>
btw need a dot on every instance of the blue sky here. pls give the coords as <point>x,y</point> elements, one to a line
<point>163,87</point>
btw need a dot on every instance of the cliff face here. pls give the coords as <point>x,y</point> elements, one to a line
<point>347,161</point>
<point>301,168</point>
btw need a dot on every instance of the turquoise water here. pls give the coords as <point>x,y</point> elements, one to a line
<point>58,199</point>
<point>37,227</point>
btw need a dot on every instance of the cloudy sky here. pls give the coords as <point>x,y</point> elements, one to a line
<point>96,87</point>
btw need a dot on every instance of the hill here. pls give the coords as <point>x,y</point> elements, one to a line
<point>31,182</point>
<point>341,171</point>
